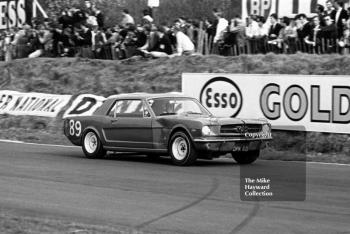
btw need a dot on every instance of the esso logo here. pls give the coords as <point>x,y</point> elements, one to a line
<point>222,97</point>
<point>260,7</point>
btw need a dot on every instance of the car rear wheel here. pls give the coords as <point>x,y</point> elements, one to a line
<point>246,157</point>
<point>181,150</point>
<point>92,146</point>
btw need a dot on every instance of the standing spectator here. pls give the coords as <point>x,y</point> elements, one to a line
<point>340,18</point>
<point>304,29</point>
<point>275,27</point>
<point>184,45</point>
<point>91,20</point>
<point>330,9</point>
<point>237,28</point>
<point>8,46</point>
<point>100,18</point>
<point>277,33</point>
<point>262,30</point>
<point>147,17</point>
<point>67,43</point>
<point>2,45</point>
<point>84,39</point>
<point>251,33</point>
<point>314,38</point>
<point>21,42</point>
<point>252,30</point>
<point>329,33</point>
<point>344,42</point>
<point>66,19</point>
<point>46,39</point>
<point>98,41</point>
<point>330,30</point>
<point>127,19</point>
<point>221,29</point>
<point>79,17</point>
<point>320,11</point>
<point>291,34</point>
<point>211,30</point>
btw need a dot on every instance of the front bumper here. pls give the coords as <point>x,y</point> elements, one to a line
<point>228,145</point>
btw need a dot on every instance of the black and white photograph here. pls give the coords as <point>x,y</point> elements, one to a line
<point>174,116</point>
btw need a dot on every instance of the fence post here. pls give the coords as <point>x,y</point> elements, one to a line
<point>200,39</point>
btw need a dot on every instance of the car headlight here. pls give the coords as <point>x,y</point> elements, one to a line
<point>207,131</point>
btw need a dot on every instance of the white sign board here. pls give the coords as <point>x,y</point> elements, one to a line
<point>153,3</point>
<point>12,13</point>
<point>318,103</point>
<point>35,104</point>
<point>84,105</point>
<point>288,8</point>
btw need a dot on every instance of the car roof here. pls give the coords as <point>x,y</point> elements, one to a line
<point>102,110</point>
<point>148,95</point>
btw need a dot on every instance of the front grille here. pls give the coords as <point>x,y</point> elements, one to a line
<point>240,128</point>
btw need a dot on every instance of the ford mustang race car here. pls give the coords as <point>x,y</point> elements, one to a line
<point>165,124</point>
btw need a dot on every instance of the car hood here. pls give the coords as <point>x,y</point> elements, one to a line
<point>218,120</point>
<point>228,121</point>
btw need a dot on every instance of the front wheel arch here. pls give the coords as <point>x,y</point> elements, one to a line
<point>179,129</point>
<point>190,156</point>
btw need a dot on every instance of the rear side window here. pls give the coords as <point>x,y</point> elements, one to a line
<point>127,108</point>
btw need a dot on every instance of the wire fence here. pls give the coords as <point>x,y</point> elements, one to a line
<point>235,45</point>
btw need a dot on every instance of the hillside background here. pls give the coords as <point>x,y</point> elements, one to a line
<point>167,12</point>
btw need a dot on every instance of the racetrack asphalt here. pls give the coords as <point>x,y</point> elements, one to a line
<point>134,191</point>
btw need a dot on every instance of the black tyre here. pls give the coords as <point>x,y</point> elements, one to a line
<point>181,150</point>
<point>92,146</point>
<point>246,157</point>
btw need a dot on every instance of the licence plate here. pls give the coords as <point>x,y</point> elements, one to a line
<point>241,147</point>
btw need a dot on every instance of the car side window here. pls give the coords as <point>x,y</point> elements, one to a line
<point>127,108</point>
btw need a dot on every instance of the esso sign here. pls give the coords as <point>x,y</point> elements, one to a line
<point>220,96</point>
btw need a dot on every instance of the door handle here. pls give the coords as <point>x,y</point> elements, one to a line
<point>114,121</point>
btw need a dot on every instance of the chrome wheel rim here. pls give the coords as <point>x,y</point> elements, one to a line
<point>180,148</point>
<point>90,142</point>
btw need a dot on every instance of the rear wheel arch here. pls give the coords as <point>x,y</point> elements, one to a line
<point>90,128</point>
<point>92,145</point>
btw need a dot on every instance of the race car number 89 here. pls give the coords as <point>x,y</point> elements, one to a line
<point>74,128</point>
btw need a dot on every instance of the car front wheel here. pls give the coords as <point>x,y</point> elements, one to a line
<point>181,150</point>
<point>92,146</point>
<point>246,157</point>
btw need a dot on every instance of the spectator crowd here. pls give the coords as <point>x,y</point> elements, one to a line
<point>327,31</point>
<point>82,33</point>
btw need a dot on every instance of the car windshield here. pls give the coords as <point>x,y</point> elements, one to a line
<point>177,106</point>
